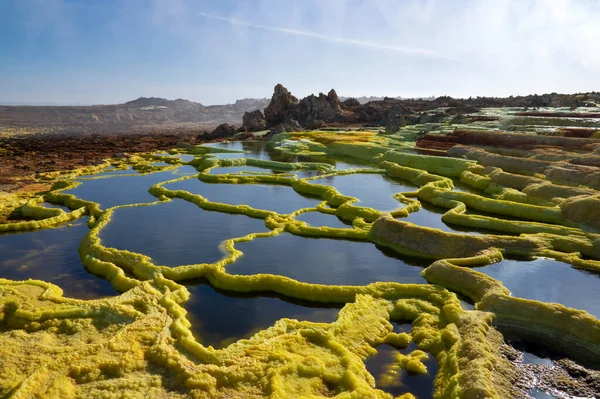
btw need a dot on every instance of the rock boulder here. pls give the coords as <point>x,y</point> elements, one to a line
<point>254,121</point>
<point>351,102</point>
<point>224,130</point>
<point>280,106</point>
<point>323,107</point>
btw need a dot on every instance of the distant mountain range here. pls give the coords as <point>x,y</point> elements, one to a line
<point>365,99</point>
<point>153,114</point>
<point>142,113</point>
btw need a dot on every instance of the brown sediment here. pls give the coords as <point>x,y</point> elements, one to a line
<point>22,157</point>
<point>436,144</point>
<point>508,140</point>
<point>582,132</point>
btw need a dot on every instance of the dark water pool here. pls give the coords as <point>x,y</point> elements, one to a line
<point>281,199</point>
<point>372,190</point>
<point>431,216</point>
<point>219,317</point>
<point>51,255</point>
<point>120,190</point>
<point>176,232</point>
<point>324,261</point>
<point>421,386</point>
<point>548,280</point>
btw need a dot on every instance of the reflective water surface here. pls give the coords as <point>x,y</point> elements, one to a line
<point>176,232</point>
<point>51,255</point>
<point>219,318</point>
<point>421,386</point>
<point>325,261</point>
<point>281,199</point>
<point>548,280</point>
<point>372,190</point>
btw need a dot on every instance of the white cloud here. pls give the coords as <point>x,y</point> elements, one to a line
<point>334,39</point>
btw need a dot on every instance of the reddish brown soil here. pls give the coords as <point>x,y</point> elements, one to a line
<point>22,157</point>
<point>506,140</point>
<point>583,132</point>
<point>425,144</point>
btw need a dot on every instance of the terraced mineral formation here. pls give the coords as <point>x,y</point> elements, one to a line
<point>139,343</point>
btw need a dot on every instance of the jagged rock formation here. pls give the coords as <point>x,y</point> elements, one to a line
<point>254,121</point>
<point>395,124</point>
<point>350,102</point>
<point>319,108</point>
<point>158,114</point>
<point>281,103</point>
<point>319,111</point>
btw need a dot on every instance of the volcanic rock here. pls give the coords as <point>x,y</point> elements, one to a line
<point>323,107</point>
<point>254,121</point>
<point>281,103</point>
<point>224,130</point>
<point>351,102</point>
<point>395,124</point>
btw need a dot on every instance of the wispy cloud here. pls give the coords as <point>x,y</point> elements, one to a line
<point>334,39</point>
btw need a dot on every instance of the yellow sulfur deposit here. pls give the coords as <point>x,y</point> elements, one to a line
<point>139,344</point>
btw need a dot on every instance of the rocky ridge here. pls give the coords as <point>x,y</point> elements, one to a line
<point>315,112</point>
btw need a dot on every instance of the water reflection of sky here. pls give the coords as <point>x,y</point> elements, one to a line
<point>217,316</point>
<point>324,261</point>
<point>548,280</point>
<point>52,255</point>
<point>282,199</point>
<point>373,190</point>
<point>120,190</point>
<point>176,232</point>
<point>421,385</point>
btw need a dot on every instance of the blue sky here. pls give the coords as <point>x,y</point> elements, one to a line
<point>215,51</point>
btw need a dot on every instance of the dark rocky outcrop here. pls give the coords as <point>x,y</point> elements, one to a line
<point>292,125</point>
<point>310,111</point>
<point>395,124</point>
<point>224,130</point>
<point>322,111</point>
<point>322,107</point>
<point>254,121</point>
<point>350,102</point>
<point>281,104</point>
